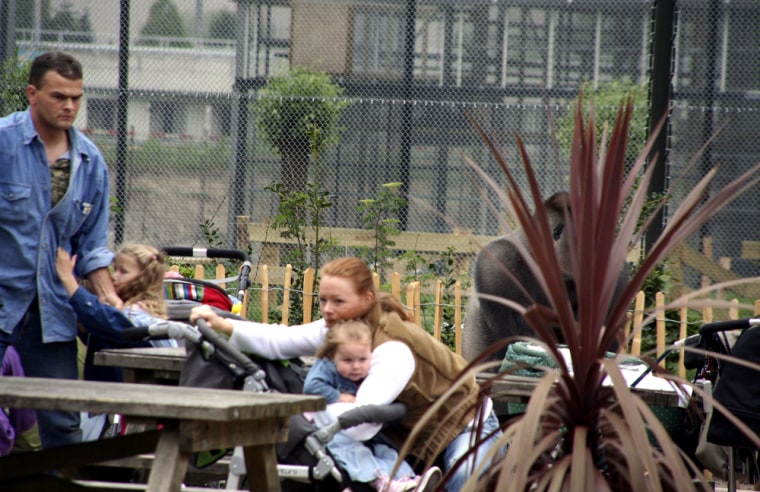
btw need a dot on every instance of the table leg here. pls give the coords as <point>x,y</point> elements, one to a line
<point>261,466</point>
<point>170,465</point>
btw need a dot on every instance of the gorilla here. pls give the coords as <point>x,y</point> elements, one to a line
<point>486,321</point>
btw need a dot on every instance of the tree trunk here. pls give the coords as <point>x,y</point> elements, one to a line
<point>294,165</point>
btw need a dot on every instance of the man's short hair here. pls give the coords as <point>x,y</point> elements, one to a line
<point>64,64</point>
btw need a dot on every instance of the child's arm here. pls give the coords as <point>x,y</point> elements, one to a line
<point>64,265</point>
<point>347,398</point>
<point>101,319</point>
<point>319,383</point>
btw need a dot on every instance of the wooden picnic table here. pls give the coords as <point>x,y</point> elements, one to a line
<point>146,364</point>
<point>191,419</point>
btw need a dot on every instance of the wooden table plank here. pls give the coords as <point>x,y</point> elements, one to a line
<point>153,358</point>
<point>151,400</point>
<point>150,365</point>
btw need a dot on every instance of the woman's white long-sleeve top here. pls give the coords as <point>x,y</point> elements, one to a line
<point>392,362</point>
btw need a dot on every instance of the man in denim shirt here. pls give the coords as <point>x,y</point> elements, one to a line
<point>54,191</point>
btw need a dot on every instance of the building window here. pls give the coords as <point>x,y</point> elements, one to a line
<point>101,114</point>
<point>166,117</point>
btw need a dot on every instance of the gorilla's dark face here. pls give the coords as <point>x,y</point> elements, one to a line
<point>558,210</point>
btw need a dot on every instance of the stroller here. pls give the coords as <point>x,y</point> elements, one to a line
<point>304,462</point>
<point>734,388</point>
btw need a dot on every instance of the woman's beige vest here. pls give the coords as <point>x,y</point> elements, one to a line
<point>437,369</point>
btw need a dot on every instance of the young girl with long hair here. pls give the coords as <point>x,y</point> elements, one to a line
<point>138,276</point>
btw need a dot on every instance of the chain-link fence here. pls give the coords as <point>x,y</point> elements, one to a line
<point>200,145</point>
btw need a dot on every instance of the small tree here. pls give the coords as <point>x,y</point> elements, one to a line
<point>223,25</point>
<point>25,13</point>
<point>75,28</point>
<point>289,109</point>
<point>163,21</point>
<point>606,100</point>
<point>380,215</point>
<point>582,433</point>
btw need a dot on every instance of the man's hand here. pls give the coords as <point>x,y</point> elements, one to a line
<point>102,286</point>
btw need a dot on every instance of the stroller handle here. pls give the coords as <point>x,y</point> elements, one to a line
<point>734,324</point>
<point>365,414</point>
<point>233,254</point>
<point>220,343</point>
<point>161,330</point>
<point>379,414</point>
<point>135,333</point>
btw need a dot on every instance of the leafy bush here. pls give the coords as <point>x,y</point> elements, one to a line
<point>606,100</point>
<point>14,77</point>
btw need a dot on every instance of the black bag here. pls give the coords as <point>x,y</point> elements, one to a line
<point>214,369</point>
<point>210,370</point>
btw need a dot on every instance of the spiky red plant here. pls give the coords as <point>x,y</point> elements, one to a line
<point>577,433</point>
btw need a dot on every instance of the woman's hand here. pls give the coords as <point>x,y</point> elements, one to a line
<point>204,311</point>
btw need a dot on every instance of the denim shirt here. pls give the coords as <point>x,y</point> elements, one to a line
<point>31,229</point>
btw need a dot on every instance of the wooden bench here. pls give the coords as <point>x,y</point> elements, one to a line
<point>506,390</point>
<point>191,419</point>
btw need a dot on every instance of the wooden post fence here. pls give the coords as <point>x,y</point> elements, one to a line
<point>413,302</point>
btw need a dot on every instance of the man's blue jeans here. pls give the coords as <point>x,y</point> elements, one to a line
<point>462,445</point>
<point>46,360</point>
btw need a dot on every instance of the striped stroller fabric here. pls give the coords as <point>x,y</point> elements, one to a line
<point>197,290</point>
